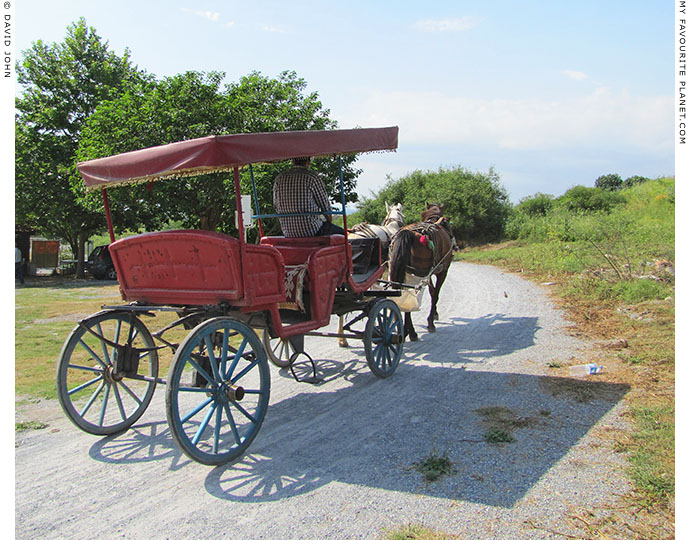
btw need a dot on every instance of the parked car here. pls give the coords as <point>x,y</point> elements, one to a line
<point>100,263</point>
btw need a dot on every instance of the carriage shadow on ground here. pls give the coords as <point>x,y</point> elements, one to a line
<point>355,429</point>
<point>371,432</point>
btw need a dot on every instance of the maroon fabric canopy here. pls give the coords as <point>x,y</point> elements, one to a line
<point>223,153</point>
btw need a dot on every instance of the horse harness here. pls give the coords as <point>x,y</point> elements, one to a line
<point>427,234</point>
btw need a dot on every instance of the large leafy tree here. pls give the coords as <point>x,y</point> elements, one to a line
<point>63,83</point>
<point>191,105</point>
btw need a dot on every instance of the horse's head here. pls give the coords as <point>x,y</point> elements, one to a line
<point>394,215</point>
<point>433,212</point>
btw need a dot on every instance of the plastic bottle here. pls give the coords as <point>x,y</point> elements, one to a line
<point>585,369</point>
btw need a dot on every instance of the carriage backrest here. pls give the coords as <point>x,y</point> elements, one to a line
<point>194,267</point>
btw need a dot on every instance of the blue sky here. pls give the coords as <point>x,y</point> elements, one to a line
<point>551,94</point>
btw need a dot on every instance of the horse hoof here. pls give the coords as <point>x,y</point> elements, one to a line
<point>431,329</point>
<point>344,345</point>
<point>413,338</point>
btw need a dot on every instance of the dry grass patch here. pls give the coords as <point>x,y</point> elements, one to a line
<point>415,531</point>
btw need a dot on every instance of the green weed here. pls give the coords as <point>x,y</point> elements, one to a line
<point>434,466</point>
<point>496,435</point>
<point>31,424</point>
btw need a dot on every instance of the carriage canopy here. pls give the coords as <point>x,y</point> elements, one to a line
<point>226,152</point>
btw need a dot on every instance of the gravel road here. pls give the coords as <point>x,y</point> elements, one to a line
<point>337,460</point>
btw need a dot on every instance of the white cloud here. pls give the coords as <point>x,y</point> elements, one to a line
<point>575,75</point>
<point>602,119</point>
<point>213,16</point>
<point>447,25</point>
<point>273,29</point>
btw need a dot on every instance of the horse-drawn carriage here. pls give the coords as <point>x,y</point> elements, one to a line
<point>222,290</point>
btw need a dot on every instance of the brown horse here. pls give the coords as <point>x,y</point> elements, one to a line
<point>423,249</point>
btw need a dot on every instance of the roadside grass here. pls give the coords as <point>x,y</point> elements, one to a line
<point>628,309</point>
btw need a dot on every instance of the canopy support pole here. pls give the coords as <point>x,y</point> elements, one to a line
<point>342,192</point>
<point>256,201</point>
<point>108,218</point>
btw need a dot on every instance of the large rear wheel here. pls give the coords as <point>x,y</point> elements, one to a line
<point>218,391</point>
<point>106,373</point>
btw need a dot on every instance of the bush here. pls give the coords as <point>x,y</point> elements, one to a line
<point>476,203</point>
<point>609,182</point>
<point>538,204</point>
<point>634,180</point>
<point>584,199</point>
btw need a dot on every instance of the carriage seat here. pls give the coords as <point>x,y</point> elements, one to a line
<point>296,251</point>
<point>314,265</point>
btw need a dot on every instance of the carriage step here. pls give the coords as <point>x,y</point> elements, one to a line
<point>313,379</point>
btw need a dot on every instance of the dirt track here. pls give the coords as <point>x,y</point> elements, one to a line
<point>336,460</point>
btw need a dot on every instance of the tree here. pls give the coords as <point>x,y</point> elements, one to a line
<point>191,105</point>
<point>476,203</point>
<point>62,85</point>
<point>609,182</point>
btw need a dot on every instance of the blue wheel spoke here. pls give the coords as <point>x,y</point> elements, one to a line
<point>104,405</point>
<point>93,354</point>
<point>244,412</point>
<point>212,359</point>
<point>216,431</point>
<point>235,360</point>
<point>118,400</point>
<point>233,426</point>
<point>85,385</point>
<point>224,351</point>
<point>93,398</point>
<point>130,392</point>
<point>376,353</point>
<point>195,411</point>
<point>85,368</point>
<point>201,370</point>
<point>192,389</point>
<point>104,346</point>
<point>203,424</point>
<point>244,371</point>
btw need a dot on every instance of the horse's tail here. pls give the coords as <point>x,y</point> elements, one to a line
<point>400,250</point>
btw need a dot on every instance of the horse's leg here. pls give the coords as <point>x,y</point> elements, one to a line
<point>409,327</point>
<point>434,290</point>
<point>341,340</point>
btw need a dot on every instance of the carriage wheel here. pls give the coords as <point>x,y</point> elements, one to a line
<point>218,390</point>
<point>279,350</point>
<point>383,338</point>
<point>100,385</point>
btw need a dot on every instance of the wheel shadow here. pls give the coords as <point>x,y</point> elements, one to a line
<point>142,443</point>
